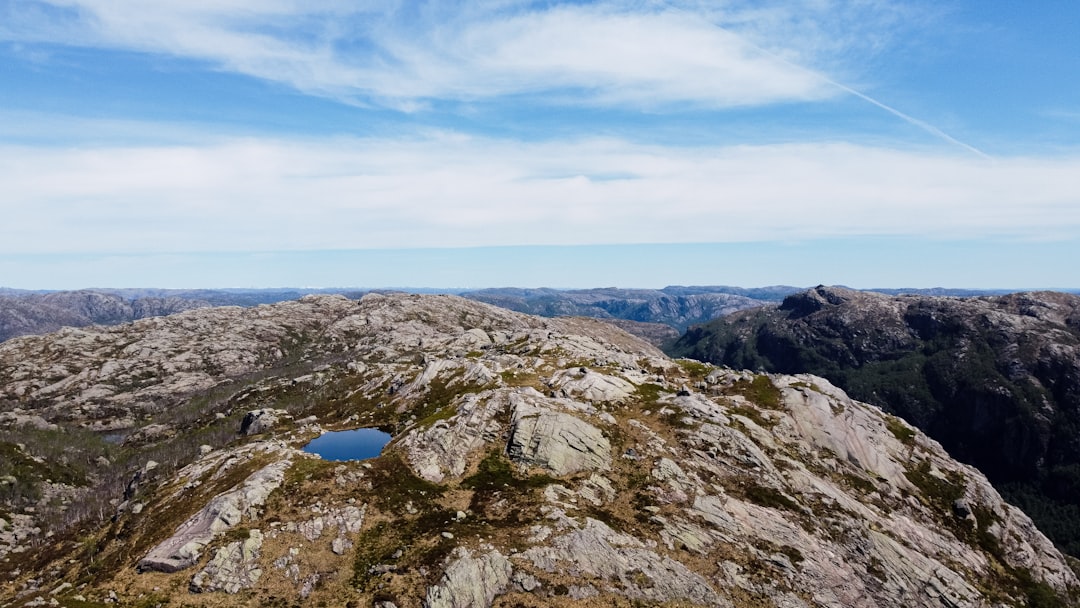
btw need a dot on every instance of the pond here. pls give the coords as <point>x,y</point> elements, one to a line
<point>357,444</point>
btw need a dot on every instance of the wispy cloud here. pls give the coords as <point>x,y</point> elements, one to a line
<point>405,54</point>
<point>450,190</point>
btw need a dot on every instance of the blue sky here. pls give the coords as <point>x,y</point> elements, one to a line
<point>278,142</point>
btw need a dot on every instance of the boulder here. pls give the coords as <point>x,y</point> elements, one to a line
<point>470,582</point>
<point>556,441</point>
<point>260,421</point>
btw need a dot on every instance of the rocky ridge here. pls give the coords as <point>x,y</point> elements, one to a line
<point>33,313</point>
<point>995,379</point>
<point>535,462</point>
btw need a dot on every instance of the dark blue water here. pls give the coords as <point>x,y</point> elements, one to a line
<point>357,444</point>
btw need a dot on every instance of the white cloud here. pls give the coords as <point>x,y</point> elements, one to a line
<point>401,54</point>
<point>449,191</point>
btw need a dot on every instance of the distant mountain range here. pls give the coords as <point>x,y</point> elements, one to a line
<point>677,307</point>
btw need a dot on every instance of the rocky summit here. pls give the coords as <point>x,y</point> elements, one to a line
<point>534,462</point>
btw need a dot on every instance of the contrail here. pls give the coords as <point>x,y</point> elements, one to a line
<point>925,126</point>
<point>929,128</point>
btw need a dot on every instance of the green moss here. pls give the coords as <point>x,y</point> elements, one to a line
<point>760,390</point>
<point>769,497</point>
<point>696,369</point>
<point>901,431</point>
<point>938,491</point>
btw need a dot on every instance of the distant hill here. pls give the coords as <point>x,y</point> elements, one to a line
<point>678,307</point>
<point>995,379</point>
<point>28,313</point>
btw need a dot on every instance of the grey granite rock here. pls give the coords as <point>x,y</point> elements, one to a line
<point>233,568</point>
<point>555,440</point>
<point>224,511</point>
<point>470,582</point>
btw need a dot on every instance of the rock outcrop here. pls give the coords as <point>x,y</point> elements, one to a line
<point>470,582</point>
<point>559,442</point>
<point>995,379</point>
<point>233,568</point>
<point>184,547</point>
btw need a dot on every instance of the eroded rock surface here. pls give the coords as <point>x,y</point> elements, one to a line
<point>233,568</point>
<point>470,582</point>
<point>224,511</point>
<point>555,440</point>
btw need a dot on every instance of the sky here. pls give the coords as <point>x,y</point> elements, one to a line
<point>318,143</point>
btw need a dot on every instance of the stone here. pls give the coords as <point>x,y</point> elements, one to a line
<point>560,442</point>
<point>262,420</point>
<point>526,582</point>
<point>593,386</point>
<point>470,582</point>
<point>233,568</point>
<point>224,511</point>
<point>340,545</point>
<point>598,551</point>
<point>443,450</point>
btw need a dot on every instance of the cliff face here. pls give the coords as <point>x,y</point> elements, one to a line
<point>534,462</point>
<point>995,379</point>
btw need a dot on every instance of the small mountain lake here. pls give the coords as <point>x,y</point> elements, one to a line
<point>357,444</point>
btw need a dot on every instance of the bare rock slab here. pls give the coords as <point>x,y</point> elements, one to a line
<point>556,441</point>
<point>224,511</point>
<point>470,582</point>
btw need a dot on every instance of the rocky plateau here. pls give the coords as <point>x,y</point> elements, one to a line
<point>534,462</point>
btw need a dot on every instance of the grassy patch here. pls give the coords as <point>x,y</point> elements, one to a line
<point>760,390</point>
<point>938,491</point>
<point>753,414</point>
<point>858,482</point>
<point>768,497</point>
<point>648,393</point>
<point>901,431</point>
<point>495,473</point>
<point>696,369</point>
<point>394,484</point>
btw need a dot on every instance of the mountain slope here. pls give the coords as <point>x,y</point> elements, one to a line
<point>534,462</point>
<point>678,307</point>
<point>995,379</point>
<point>33,313</point>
